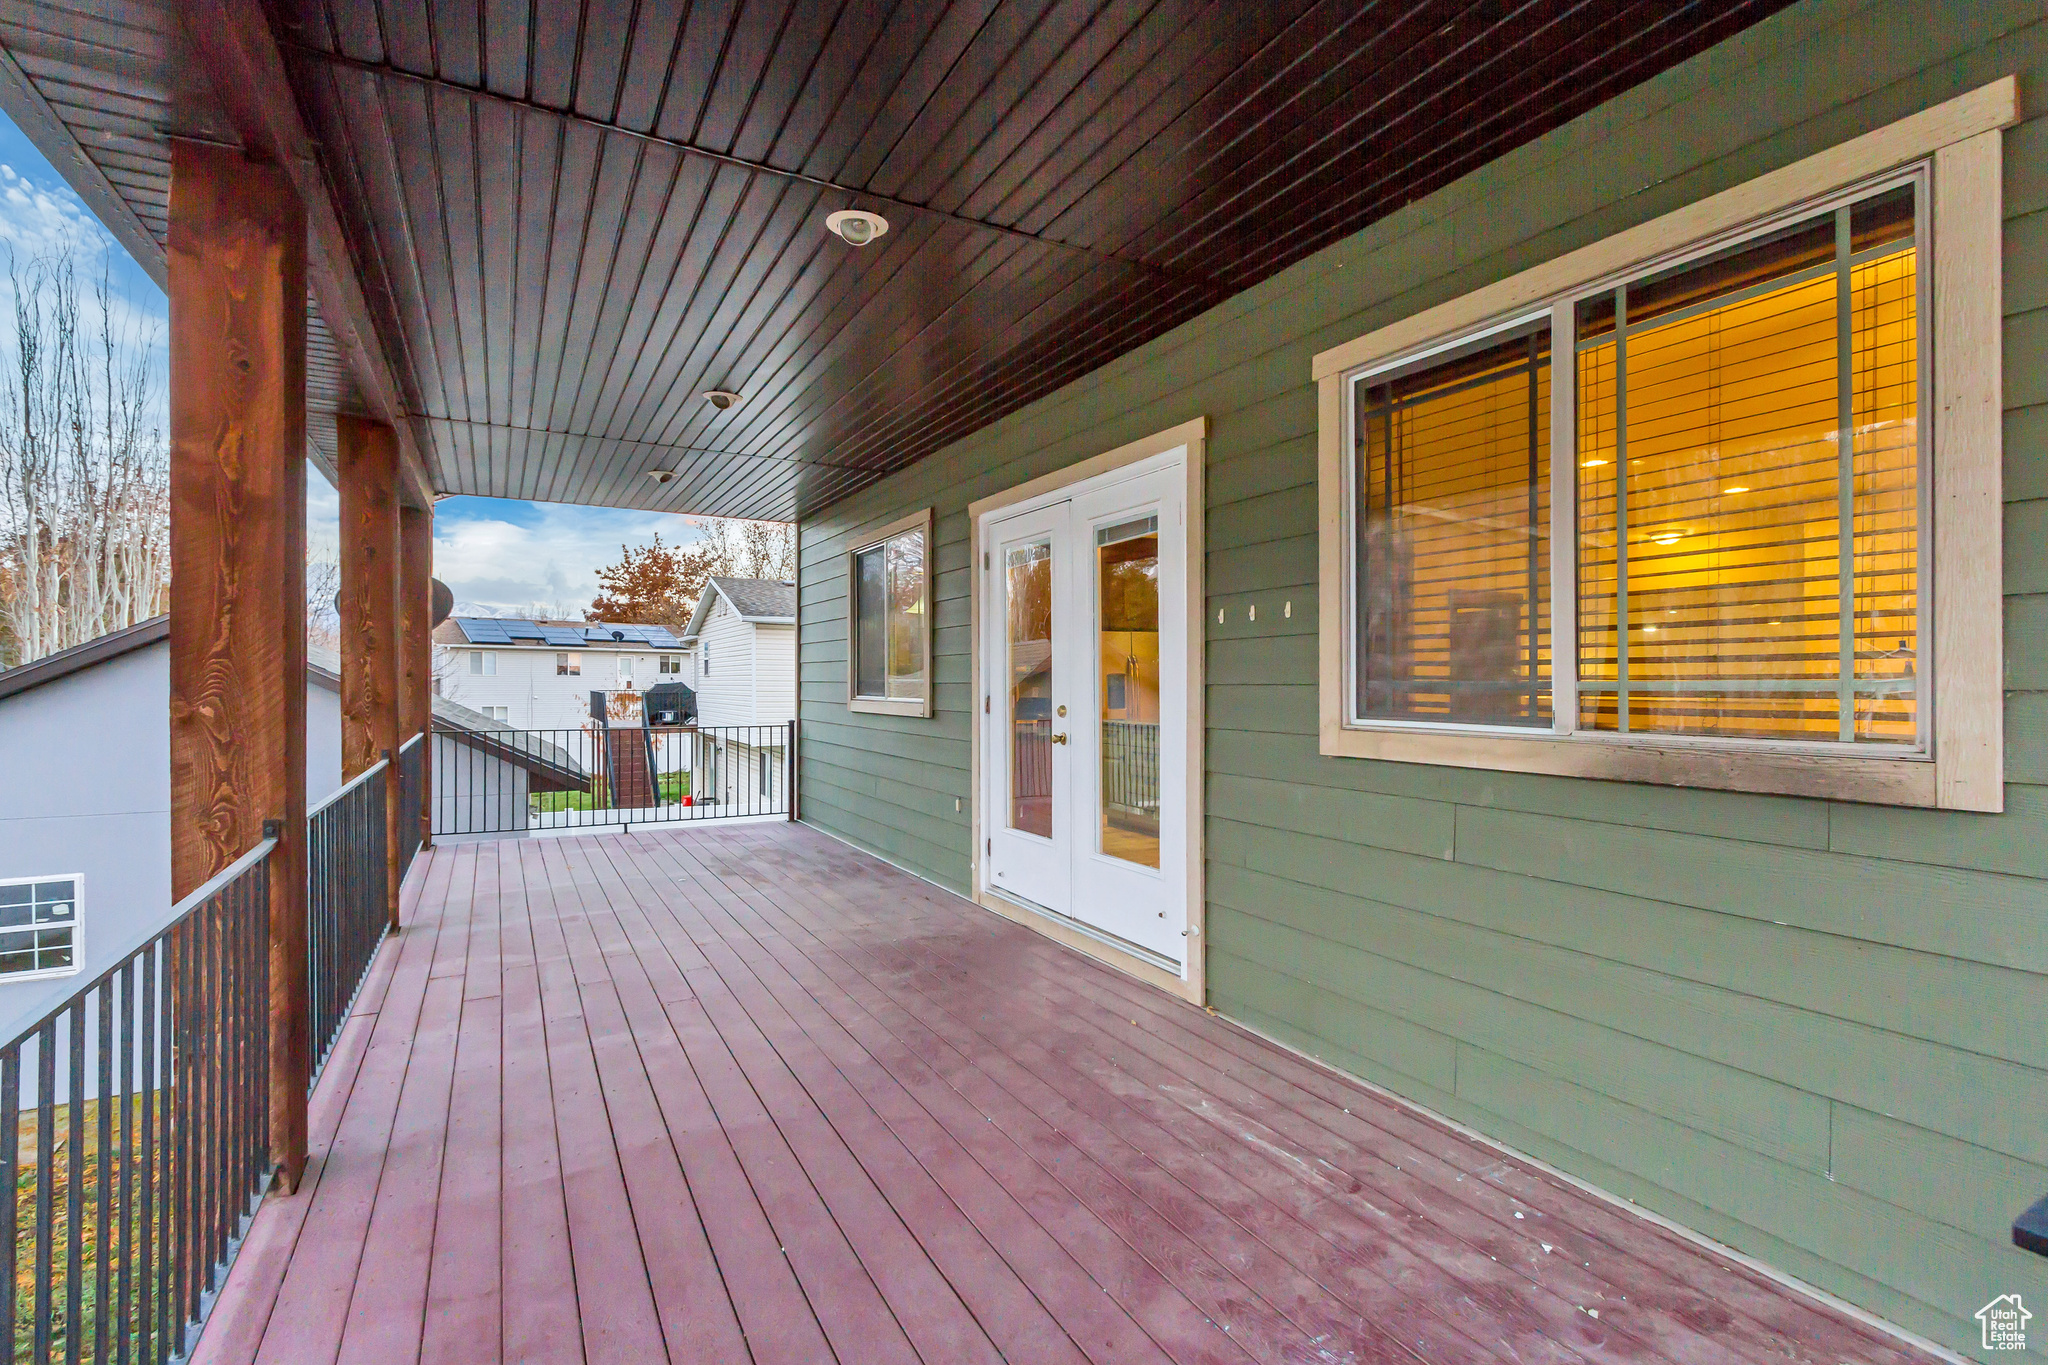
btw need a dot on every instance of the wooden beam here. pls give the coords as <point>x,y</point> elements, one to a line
<point>370,668</point>
<point>235,43</point>
<point>237,275</point>
<point>416,648</point>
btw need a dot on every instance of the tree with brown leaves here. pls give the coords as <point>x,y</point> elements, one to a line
<point>659,584</point>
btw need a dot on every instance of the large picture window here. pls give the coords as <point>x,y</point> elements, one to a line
<point>1743,569</point>
<point>889,625</point>
<point>1663,509</point>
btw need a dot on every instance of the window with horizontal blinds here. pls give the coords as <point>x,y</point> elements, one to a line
<point>1452,485</point>
<point>1743,569</point>
<point>1742,485</point>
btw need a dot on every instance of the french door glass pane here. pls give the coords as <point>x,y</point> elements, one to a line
<point>1027,571</point>
<point>1453,553</point>
<point>1718,593</point>
<point>1127,654</point>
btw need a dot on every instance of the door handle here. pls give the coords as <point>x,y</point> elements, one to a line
<point>1060,738</point>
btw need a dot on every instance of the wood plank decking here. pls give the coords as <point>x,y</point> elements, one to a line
<point>720,1095</point>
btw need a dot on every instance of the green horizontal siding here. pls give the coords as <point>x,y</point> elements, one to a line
<point>1817,1031</point>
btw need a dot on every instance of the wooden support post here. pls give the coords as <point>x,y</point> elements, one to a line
<point>368,466</point>
<point>236,263</point>
<point>416,649</point>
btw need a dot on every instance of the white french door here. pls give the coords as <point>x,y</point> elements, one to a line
<point>1084,672</point>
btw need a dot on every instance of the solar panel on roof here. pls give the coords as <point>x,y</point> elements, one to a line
<point>562,635</point>
<point>661,638</point>
<point>480,631</point>
<point>523,630</point>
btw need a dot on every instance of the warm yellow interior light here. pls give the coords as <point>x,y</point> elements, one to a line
<point>1746,398</point>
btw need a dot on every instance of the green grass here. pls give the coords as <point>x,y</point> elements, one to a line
<point>670,788</point>
<point>26,1179</point>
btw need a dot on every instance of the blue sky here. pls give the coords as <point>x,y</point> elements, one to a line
<point>493,553</point>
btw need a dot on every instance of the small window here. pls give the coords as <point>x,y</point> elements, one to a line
<point>707,658</point>
<point>568,665</point>
<point>671,663</point>
<point>39,926</point>
<point>483,663</point>
<point>890,629</point>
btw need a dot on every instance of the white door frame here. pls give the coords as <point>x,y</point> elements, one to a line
<point>1191,438</point>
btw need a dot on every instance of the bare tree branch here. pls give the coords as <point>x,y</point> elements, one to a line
<point>84,472</point>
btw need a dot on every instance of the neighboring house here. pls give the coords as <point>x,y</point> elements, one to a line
<point>538,675</point>
<point>744,630</point>
<point>485,772</point>
<point>85,841</point>
<point>85,825</point>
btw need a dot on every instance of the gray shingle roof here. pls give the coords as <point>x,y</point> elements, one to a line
<point>759,599</point>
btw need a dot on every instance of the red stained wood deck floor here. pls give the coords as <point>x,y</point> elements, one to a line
<point>719,1095</point>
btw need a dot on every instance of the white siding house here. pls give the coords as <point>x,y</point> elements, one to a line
<point>538,675</point>
<point>744,630</point>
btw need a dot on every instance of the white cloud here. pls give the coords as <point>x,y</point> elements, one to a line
<point>549,555</point>
<point>39,221</point>
<point>323,518</point>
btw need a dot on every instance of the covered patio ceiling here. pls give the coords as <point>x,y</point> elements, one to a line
<point>542,231</point>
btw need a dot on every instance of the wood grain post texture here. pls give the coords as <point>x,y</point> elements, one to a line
<point>416,648</point>
<point>236,262</point>
<point>368,466</point>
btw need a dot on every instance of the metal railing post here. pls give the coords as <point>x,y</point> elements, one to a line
<point>393,871</point>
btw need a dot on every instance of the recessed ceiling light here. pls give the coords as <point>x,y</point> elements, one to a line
<point>661,475</point>
<point>721,398</point>
<point>1736,488</point>
<point>857,227</point>
<point>1591,464</point>
<point>1665,540</point>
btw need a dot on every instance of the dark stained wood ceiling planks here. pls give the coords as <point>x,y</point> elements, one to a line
<point>570,218</point>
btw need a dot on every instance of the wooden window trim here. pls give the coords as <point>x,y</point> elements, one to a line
<point>1961,139</point>
<point>921,522</point>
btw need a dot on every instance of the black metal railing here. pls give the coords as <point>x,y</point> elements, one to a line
<point>1031,759</point>
<point>347,910</point>
<point>1130,767</point>
<point>134,1133</point>
<point>412,757</point>
<point>512,781</point>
